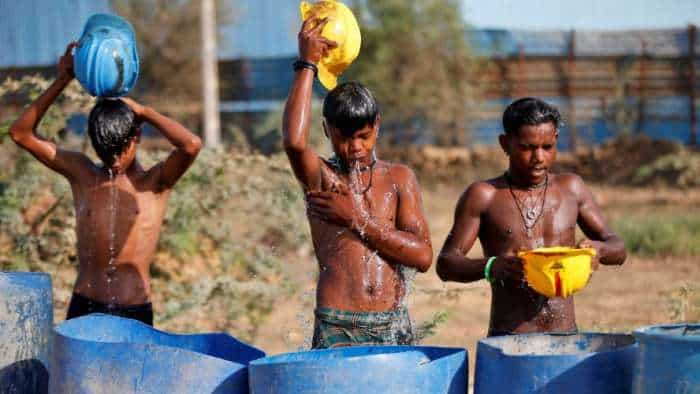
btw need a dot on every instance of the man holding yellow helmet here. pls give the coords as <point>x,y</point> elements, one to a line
<point>526,222</point>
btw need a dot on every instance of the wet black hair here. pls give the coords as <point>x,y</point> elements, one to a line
<point>111,127</point>
<point>529,111</point>
<point>350,107</point>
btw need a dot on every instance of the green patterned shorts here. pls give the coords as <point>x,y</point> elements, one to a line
<point>336,328</point>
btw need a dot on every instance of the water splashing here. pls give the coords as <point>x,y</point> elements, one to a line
<point>113,202</point>
<point>408,276</point>
<point>357,192</point>
<point>399,331</point>
<point>306,322</point>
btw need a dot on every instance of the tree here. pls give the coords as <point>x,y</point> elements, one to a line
<point>417,61</point>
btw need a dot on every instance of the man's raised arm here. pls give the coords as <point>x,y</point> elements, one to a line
<point>297,112</point>
<point>23,130</point>
<point>187,144</point>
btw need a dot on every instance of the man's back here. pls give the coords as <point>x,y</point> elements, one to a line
<point>119,206</point>
<point>118,221</point>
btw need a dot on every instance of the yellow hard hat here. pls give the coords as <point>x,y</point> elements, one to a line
<point>343,29</point>
<point>557,271</point>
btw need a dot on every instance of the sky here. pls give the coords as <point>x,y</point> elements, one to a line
<point>581,14</point>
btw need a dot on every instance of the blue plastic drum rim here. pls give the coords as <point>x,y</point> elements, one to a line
<point>129,332</point>
<point>680,332</point>
<point>363,369</point>
<point>106,59</point>
<point>26,278</point>
<point>342,354</point>
<point>116,354</point>
<point>620,341</point>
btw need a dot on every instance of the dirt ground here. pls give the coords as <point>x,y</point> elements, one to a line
<point>641,292</point>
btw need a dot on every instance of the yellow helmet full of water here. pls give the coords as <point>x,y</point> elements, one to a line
<point>557,271</point>
<point>343,29</point>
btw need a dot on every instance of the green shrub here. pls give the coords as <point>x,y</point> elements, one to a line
<point>658,234</point>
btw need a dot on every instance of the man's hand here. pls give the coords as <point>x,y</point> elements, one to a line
<point>65,64</point>
<point>595,260</point>
<point>508,269</point>
<point>312,46</point>
<point>343,207</point>
<point>138,109</point>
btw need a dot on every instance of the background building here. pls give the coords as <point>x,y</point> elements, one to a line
<point>605,82</point>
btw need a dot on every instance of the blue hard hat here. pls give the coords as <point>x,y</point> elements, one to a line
<point>106,61</point>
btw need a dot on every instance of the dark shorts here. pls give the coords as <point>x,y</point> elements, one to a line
<point>81,306</point>
<point>336,328</point>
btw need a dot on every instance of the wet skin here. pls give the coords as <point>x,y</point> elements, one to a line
<point>115,246</point>
<point>132,231</point>
<point>487,210</point>
<point>366,219</point>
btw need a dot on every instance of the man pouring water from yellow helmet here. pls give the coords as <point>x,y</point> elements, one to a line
<point>366,216</point>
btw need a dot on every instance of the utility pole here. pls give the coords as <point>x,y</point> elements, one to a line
<point>642,90</point>
<point>692,94</point>
<point>210,76</point>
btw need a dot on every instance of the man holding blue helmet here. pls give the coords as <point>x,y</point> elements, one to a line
<point>119,205</point>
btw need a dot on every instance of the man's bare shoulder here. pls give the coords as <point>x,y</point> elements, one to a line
<point>399,172</point>
<point>149,179</point>
<point>569,182</point>
<point>83,169</point>
<point>480,194</point>
<point>484,189</point>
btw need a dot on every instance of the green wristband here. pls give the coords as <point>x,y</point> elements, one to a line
<point>487,269</point>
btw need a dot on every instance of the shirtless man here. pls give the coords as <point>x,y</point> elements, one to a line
<point>526,208</point>
<point>119,205</point>
<point>365,214</point>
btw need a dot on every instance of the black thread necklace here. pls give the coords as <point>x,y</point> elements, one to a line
<point>530,218</point>
<point>340,166</point>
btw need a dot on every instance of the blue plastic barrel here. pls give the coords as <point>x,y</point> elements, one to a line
<point>553,363</point>
<point>363,370</point>
<point>108,354</point>
<point>26,320</point>
<point>669,359</point>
